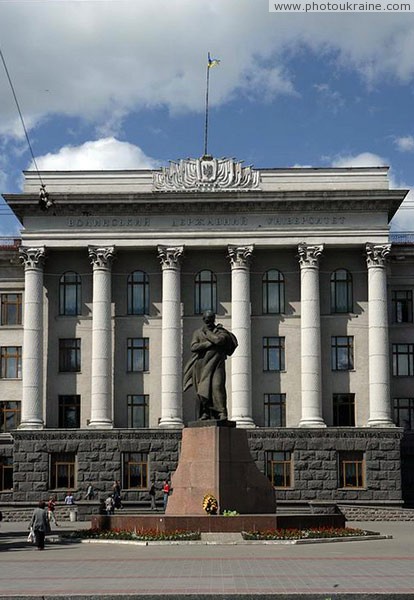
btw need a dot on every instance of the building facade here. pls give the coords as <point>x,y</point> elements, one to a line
<point>100,300</point>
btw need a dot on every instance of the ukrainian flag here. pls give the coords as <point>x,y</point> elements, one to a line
<point>212,62</point>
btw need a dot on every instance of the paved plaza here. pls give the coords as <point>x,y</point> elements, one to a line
<point>350,569</point>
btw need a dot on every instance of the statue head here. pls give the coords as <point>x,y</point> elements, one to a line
<point>209,317</point>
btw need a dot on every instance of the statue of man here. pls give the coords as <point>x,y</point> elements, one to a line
<point>210,345</point>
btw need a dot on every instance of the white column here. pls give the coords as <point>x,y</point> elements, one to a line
<point>32,367</point>
<point>310,326</point>
<point>171,353</point>
<point>378,346</point>
<point>101,379</point>
<point>241,361</point>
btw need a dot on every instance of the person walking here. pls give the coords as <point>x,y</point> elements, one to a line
<point>40,525</point>
<point>51,506</point>
<point>90,492</point>
<point>166,491</point>
<point>152,496</point>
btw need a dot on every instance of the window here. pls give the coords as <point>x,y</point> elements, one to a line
<point>138,293</point>
<point>351,469</point>
<point>342,353</point>
<point>63,471</point>
<point>9,416</point>
<point>404,412</point>
<point>69,412</point>
<point>11,309</point>
<point>69,355</point>
<point>11,362</point>
<point>279,469</point>
<point>138,409</point>
<point>344,410</point>
<point>402,306</point>
<point>205,290</point>
<point>137,354</point>
<point>275,410</point>
<point>341,291</point>
<point>273,353</point>
<point>135,470</point>
<point>6,473</point>
<point>273,292</point>
<point>70,294</point>
<point>403,360</point>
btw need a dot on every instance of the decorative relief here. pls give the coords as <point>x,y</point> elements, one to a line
<point>170,257</point>
<point>309,255</point>
<point>377,254</point>
<point>240,256</point>
<point>206,174</point>
<point>101,257</point>
<point>33,258</point>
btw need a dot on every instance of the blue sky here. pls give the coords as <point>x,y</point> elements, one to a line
<point>113,84</point>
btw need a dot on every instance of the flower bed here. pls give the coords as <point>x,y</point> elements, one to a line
<point>148,535</point>
<point>303,534</point>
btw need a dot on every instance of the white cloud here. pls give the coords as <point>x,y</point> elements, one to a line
<point>405,143</point>
<point>85,58</point>
<point>106,153</point>
<point>364,159</point>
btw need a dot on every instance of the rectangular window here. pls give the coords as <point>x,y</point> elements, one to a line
<point>63,471</point>
<point>351,469</point>
<point>9,416</point>
<point>69,412</point>
<point>11,309</point>
<point>69,355</point>
<point>137,354</point>
<point>273,353</point>
<point>279,469</point>
<point>11,362</point>
<point>342,353</point>
<point>275,410</point>
<point>135,472</point>
<point>138,409</point>
<point>404,413</point>
<point>6,473</point>
<point>402,360</point>
<point>344,410</point>
<point>402,306</point>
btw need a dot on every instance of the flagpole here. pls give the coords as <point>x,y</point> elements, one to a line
<point>206,123</point>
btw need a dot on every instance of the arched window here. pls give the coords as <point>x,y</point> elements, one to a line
<point>138,293</point>
<point>205,290</point>
<point>341,291</point>
<point>70,293</point>
<point>273,290</point>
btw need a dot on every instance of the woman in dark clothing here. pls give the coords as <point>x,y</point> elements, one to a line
<point>40,525</point>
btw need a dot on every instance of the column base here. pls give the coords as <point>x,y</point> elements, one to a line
<point>31,425</point>
<point>171,423</point>
<point>100,425</point>
<point>380,423</point>
<point>312,423</point>
<point>243,422</point>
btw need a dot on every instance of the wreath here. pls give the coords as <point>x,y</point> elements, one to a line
<point>210,504</point>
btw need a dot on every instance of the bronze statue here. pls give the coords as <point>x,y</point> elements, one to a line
<point>210,345</point>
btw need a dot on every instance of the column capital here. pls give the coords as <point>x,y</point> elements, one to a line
<point>240,256</point>
<point>33,258</point>
<point>377,254</point>
<point>170,256</point>
<point>309,255</point>
<point>101,257</point>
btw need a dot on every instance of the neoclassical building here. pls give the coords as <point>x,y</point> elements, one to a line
<point>100,300</point>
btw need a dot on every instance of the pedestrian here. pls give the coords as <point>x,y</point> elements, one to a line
<point>109,505</point>
<point>40,524</point>
<point>90,492</point>
<point>51,506</point>
<point>166,491</point>
<point>69,499</point>
<point>152,496</point>
<point>117,494</point>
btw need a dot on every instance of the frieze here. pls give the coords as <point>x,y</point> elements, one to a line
<point>84,435</point>
<point>206,174</point>
<point>379,434</point>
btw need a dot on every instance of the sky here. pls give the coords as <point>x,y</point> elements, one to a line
<point>120,84</point>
